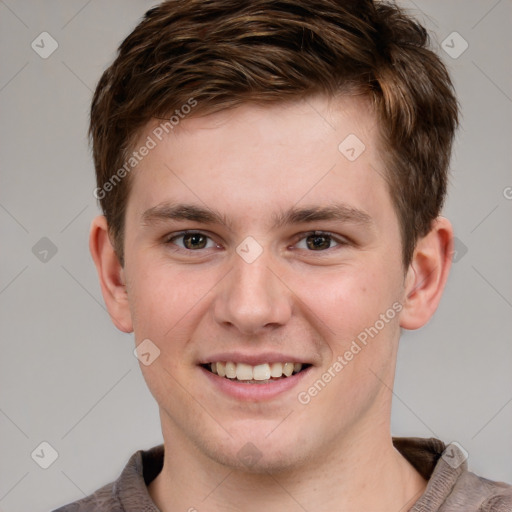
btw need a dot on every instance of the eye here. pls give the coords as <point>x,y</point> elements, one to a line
<point>319,241</point>
<point>191,241</point>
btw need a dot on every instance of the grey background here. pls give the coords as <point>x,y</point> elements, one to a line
<point>68,377</point>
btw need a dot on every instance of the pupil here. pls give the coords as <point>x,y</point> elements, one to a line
<point>193,241</point>
<point>318,242</point>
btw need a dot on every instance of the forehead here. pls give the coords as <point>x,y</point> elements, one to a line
<point>316,151</point>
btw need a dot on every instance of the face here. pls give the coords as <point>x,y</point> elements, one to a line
<point>256,242</point>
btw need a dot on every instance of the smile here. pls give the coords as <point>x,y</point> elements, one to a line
<point>258,374</point>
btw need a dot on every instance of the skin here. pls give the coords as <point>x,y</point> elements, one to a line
<point>250,164</point>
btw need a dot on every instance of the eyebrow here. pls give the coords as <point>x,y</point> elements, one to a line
<point>171,211</point>
<point>334,212</point>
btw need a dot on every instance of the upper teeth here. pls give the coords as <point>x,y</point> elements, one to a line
<point>242,371</point>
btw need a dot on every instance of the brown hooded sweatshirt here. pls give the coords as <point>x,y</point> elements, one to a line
<point>451,487</point>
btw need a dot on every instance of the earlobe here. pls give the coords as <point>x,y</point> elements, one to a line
<point>427,275</point>
<point>110,274</point>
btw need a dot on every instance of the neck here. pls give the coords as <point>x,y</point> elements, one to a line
<point>361,472</point>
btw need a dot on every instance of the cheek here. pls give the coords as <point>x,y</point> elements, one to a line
<point>349,299</point>
<point>357,309</point>
<point>163,296</point>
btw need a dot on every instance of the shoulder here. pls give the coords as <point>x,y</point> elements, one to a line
<point>129,491</point>
<point>488,495</point>
<point>102,500</point>
<point>451,486</point>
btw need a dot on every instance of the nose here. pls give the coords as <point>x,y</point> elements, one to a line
<point>253,298</point>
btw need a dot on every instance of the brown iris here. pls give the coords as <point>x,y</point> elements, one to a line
<point>195,240</point>
<point>320,241</point>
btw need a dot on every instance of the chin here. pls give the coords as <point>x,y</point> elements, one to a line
<point>252,454</point>
<point>259,463</point>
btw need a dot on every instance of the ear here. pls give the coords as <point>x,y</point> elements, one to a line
<point>111,275</point>
<point>427,275</point>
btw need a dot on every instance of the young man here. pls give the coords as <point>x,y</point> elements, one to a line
<point>272,175</point>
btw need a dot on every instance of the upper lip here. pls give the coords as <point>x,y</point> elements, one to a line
<point>253,359</point>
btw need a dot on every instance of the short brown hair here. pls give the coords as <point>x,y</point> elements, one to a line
<point>223,53</point>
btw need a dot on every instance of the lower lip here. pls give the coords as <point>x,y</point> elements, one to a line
<point>254,392</point>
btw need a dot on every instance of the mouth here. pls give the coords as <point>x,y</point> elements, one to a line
<point>264,373</point>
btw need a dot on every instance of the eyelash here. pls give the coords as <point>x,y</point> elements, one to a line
<point>341,241</point>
